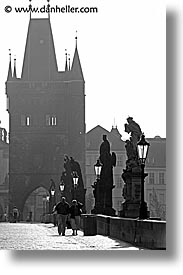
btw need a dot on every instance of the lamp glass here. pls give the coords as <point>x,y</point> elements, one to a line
<point>142,147</point>
<point>52,192</point>
<point>75,179</point>
<point>98,168</point>
<point>62,186</point>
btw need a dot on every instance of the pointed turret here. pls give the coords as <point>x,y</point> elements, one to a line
<point>15,70</point>
<point>76,66</point>
<point>69,63</point>
<point>116,132</point>
<point>9,77</point>
<point>66,66</point>
<point>48,8</point>
<point>30,8</point>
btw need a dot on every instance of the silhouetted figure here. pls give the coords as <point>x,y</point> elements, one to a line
<point>131,145</point>
<point>135,130</point>
<point>15,214</point>
<point>75,215</point>
<point>62,210</point>
<point>30,216</point>
<point>63,177</point>
<point>71,166</point>
<point>108,161</point>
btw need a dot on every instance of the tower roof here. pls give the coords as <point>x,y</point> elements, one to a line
<point>15,70</point>
<point>115,131</point>
<point>9,68</point>
<point>66,66</point>
<point>39,57</point>
<point>76,69</point>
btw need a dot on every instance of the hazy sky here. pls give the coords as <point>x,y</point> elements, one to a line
<point>122,49</point>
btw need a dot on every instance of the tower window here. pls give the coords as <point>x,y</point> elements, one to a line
<point>25,120</point>
<point>51,120</point>
<point>54,120</point>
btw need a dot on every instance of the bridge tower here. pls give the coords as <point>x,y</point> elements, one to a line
<point>46,114</point>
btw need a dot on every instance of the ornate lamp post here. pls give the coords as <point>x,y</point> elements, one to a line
<point>142,148</point>
<point>44,205</point>
<point>75,181</point>
<point>52,196</point>
<point>97,168</point>
<point>47,203</point>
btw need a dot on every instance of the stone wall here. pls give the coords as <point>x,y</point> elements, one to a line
<point>149,234</point>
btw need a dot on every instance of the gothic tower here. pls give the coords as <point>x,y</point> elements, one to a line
<point>46,114</point>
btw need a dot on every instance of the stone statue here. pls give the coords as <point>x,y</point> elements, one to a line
<point>132,175</point>
<point>108,161</point>
<point>135,130</point>
<point>70,166</point>
<point>131,145</point>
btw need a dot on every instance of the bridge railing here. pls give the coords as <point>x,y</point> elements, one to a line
<point>149,234</point>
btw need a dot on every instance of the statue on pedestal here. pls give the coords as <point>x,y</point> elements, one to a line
<point>108,161</point>
<point>132,173</point>
<point>70,166</point>
<point>131,145</point>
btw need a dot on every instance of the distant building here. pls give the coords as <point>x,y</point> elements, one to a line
<point>156,180</point>
<point>155,186</point>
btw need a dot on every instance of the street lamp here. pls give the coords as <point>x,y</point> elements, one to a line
<point>98,167</point>
<point>47,203</point>
<point>75,181</point>
<point>142,148</point>
<point>44,205</point>
<point>52,191</point>
<point>62,186</point>
<point>52,195</point>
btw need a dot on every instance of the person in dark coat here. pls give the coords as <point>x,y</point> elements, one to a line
<point>15,214</point>
<point>62,210</point>
<point>75,215</point>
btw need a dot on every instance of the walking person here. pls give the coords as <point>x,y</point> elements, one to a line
<point>15,214</point>
<point>75,215</point>
<point>62,210</point>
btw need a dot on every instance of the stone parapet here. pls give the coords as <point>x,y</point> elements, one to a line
<point>149,234</point>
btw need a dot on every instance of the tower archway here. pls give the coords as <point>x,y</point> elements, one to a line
<point>36,205</point>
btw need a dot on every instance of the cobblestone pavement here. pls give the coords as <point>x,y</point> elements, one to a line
<point>24,236</point>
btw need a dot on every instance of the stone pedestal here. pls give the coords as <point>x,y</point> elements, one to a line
<point>103,198</point>
<point>131,193</point>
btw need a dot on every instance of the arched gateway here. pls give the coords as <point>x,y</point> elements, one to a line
<point>36,205</point>
<point>46,115</point>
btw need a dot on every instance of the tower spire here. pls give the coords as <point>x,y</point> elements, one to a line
<point>66,66</point>
<point>9,69</point>
<point>69,63</point>
<point>30,8</point>
<point>48,8</point>
<point>76,65</point>
<point>114,125</point>
<point>15,70</point>
<point>76,38</point>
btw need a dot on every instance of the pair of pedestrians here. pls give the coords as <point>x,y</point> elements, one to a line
<point>65,213</point>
